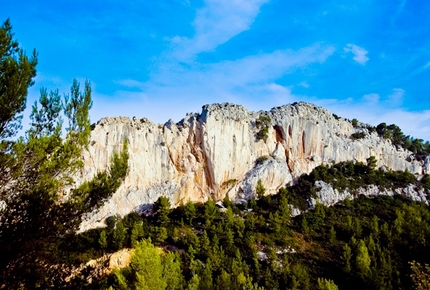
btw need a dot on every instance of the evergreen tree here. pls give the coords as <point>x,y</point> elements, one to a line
<point>36,169</point>
<point>136,233</point>
<point>190,212</point>
<point>332,235</point>
<point>119,235</point>
<point>17,71</point>
<point>206,282</point>
<point>194,283</point>
<point>362,260</point>
<point>260,190</point>
<point>420,275</point>
<point>346,257</point>
<point>162,208</point>
<point>172,272</point>
<point>324,284</point>
<point>146,263</point>
<point>103,240</point>
<point>211,212</point>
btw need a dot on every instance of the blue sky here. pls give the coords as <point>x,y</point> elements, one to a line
<point>368,60</point>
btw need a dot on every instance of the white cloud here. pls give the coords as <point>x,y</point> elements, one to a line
<point>396,98</point>
<point>216,23</point>
<point>129,83</point>
<point>358,52</point>
<point>371,98</point>
<point>373,109</point>
<point>243,81</point>
<point>304,84</point>
<point>235,77</point>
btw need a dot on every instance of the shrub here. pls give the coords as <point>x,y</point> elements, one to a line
<point>263,122</point>
<point>358,135</point>
<point>261,160</point>
<point>354,123</point>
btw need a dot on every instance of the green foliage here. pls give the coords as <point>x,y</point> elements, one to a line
<point>103,240</point>
<point>119,235</point>
<point>425,181</point>
<point>146,264</point>
<point>395,134</point>
<point>263,123</point>
<point>136,233</point>
<point>355,246</point>
<point>17,71</point>
<point>162,208</point>
<point>420,275</point>
<point>324,284</point>
<point>260,190</point>
<point>357,135</point>
<point>354,123</point>
<point>37,219</point>
<point>346,257</point>
<point>362,260</point>
<point>263,134</point>
<point>261,160</point>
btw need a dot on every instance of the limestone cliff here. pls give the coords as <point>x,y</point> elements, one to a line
<point>218,153</point>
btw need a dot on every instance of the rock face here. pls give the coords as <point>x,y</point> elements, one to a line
<point>329,196</point>
<point>217,153</point>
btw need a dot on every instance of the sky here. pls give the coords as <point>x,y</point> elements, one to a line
<point>363,59</point>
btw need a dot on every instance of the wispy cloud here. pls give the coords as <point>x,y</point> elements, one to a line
<point>396,98</point>
<point>358,52</point>
<point>371,99</point>
<point>234,75</point>
<point>398,11</point>
<point>375,110</point>
<point>304,84</point>
<point>241,81</point>
<point>427,65</point>
<point>216,23</point>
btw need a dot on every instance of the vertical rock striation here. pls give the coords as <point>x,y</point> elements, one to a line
<point>217,153</point>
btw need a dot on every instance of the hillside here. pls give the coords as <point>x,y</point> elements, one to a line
<point>378,243</point>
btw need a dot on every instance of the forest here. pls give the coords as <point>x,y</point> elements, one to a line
<point>378,243</point>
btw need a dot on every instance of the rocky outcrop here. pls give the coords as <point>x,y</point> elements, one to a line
<point>329,196</point>
<point>218,153</point>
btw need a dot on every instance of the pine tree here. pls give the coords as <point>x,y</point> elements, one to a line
<point>103,240</point>
<point>363,260</point>
<point>119,235</point>
<point>190,212</point>
<point>162,208</point>
<point>17,71</point>
<point>332,235</point>
<point>146,263</point>
<point>260,190</point>
<point>136,233</point>
<point>324,284</point>
<point>346,257</point>
<point>194,283</point>
<point>172,271</point>
<point>36,169</point>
